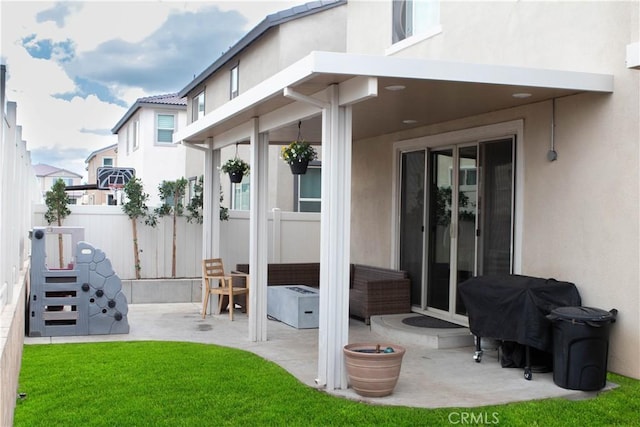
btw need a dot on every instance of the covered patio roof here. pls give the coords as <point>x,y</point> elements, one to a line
<point>405,94</point>
<point>345,97</point>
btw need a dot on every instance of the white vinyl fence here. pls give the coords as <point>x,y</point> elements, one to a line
<point>293,237</point>
<point>18,191</point>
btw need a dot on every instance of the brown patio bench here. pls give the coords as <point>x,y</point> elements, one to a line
<point>306,273</point>
<point>372,290</point>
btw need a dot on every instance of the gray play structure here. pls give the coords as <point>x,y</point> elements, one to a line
<point>83,298</point>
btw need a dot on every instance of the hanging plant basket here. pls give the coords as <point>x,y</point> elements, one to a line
<point>297,155</point>
<point>236,177</point>
<point>236,168</point>
<point>299,168</point>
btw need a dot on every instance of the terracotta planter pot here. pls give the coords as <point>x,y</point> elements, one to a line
<point>373,374</point>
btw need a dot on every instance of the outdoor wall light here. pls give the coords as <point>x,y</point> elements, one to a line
<point>521,95</point>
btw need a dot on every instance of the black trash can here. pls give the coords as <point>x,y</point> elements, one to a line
<point>581,346</point>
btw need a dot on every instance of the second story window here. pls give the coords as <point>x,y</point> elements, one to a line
<point>67,181</point>
<point>165,125</point>
<point>198,106</point>
<point>414,18</point>
<point>107,161</point>
<point>234,82</point>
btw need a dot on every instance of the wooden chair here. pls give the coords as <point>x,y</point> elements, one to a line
<point>212,272</point>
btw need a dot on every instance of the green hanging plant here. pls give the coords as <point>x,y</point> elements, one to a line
<point>235,165</point>
<point>298,151</point>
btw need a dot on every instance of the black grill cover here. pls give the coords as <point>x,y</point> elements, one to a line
<point>514,307</point>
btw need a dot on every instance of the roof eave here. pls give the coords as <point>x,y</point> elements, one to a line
<point>140,104</point>
<point>327,63</point>
<point>130,112</point>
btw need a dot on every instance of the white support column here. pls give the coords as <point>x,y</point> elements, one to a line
<point>334,242</point>
<point>211,208</point>
<point>258,241</point>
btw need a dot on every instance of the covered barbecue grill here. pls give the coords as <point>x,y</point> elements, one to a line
<point>514,308</point>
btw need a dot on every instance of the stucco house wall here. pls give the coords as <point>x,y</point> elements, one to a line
<point>155,162</point>
<point>576,218</point>
<point>276,49</point>
<point>94,161</point>
<point>580,212</point>
<point>47,175</point>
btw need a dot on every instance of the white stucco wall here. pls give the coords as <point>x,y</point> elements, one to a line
<point>578,216</point>
<point>509,33</point>
<point>276,49</point>
<point>155,162</point>
<point>580,219</point>
<point>580,212</point>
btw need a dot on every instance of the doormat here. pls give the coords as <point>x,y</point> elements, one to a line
<point>429,322</point>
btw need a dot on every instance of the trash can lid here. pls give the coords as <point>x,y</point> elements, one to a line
<point>584,314</point>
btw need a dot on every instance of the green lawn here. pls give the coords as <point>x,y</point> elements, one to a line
<point>187,384</point>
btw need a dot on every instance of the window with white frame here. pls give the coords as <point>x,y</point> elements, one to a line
<point>165,126</point>
<point>240,195</point>
<point>191,188</point>
<point>414,18</point>
<point>234,83</point>
<point>107,161</point>
<point>308,191</point>
<point>67,181</point>
<point>198,106</point>
<point>135,134</point>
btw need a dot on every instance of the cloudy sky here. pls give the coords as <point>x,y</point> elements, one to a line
<point>74,68</point>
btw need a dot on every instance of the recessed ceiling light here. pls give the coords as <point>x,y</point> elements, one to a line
<point>394,87</point>
<point>409,121</point>
<point>521,95</point>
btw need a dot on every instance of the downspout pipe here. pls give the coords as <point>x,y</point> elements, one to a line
<point>552,155</point>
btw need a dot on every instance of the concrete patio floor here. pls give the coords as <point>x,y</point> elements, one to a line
<point>430,378</point>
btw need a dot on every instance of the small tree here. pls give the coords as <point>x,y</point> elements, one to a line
<point>172,196</point>
<point>197,201</point>
<point>194,208</point>
<point>57,210</point>
<point>135,208</point>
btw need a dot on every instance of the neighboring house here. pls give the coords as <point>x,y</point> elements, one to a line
<point>458,139</point>
<point>145,143</point>
<point>104,157</point>
<point>47,175</point>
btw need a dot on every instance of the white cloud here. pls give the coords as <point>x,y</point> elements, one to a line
<point>102,21</point>
<point>256,10</point>
<point>123,50</point>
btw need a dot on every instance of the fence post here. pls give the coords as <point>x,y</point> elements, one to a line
<point>277,235</point>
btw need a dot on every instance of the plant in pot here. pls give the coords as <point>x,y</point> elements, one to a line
<point>236,168</point>
<point>297,155</point>
<point>373,369</point>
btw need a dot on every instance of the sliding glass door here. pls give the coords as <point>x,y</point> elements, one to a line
<point>456,219</point>
<point>412,221</point>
